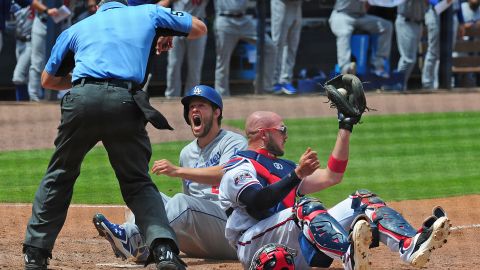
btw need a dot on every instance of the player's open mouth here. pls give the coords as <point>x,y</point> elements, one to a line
<point>197,121</point>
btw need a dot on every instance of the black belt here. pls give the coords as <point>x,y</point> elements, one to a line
<point>24,38</point>
<point>414,21</point>
<point>140,97</point>
<point>229,211</point>
<point>43,17</point>
<point>233,15</point>
<point>111,82</point>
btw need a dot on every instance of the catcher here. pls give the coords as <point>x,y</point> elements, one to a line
<point>262,190</point>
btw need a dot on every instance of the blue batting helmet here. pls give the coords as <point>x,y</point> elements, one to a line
<point>202,91</point>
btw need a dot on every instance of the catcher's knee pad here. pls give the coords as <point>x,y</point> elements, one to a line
<point>384,219</point>
<point>320,228</point>
<point>305,207</point>
<point>363,198</point>
<point>273,257</point>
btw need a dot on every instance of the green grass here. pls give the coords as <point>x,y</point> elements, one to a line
<point>22,171</point>
<point>409,156</point>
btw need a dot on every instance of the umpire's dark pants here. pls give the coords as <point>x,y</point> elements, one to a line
<point>95,112</point>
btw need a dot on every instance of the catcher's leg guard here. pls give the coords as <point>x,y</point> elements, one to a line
<point>385,220</point>
<point>322,231</point>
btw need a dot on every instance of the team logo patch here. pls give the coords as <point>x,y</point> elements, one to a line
<point>242,177</point>
<point>197,91</point>
<point>278,166</point>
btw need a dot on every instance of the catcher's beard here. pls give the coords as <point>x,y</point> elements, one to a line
<point>206,128</point>
<point>273,148</point>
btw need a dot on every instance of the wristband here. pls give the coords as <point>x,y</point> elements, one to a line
<point>336,165</point>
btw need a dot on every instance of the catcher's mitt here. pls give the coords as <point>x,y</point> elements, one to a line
<point>273,257</point>
<point>345,92</point>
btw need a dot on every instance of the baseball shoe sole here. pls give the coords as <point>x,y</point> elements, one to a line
<point>440,232</point>
<point>362,238</point>
<point>105,233</point>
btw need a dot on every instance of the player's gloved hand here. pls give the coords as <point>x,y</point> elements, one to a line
<point>345,92</point>
<point>347,122</point>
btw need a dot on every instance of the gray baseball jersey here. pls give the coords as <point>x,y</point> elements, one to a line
<point>24,20</point>
<point>470,15</point>
<point>196,216</point>
<point>217,152</point>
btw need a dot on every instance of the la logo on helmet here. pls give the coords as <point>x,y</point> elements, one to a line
<point>197,91</point>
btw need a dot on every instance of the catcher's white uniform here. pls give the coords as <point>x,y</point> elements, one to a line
<point>245,232</point>
<point>248,234</point>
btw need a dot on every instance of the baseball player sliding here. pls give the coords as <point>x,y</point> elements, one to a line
<point>195,215</point>
<point>262,190</point>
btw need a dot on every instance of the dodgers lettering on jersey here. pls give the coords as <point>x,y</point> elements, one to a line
<point>217,152</point>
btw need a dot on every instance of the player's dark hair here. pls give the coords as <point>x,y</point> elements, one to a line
<point>214,106</point>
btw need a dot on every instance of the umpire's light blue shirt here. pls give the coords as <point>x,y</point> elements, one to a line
<point>115,42</point>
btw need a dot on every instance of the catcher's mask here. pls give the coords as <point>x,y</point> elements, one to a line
<point>273,257</point>
<point>205,92</point>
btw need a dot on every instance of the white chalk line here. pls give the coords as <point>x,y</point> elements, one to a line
<point>463,227</point>
<point>117,265</point>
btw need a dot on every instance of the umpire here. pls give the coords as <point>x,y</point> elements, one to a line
<point>105,104</point>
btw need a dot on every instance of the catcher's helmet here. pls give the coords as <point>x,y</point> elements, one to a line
<point>205,92</point>
<point>273,257</point>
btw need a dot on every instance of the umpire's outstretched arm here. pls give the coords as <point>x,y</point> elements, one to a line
<point>198,28</point>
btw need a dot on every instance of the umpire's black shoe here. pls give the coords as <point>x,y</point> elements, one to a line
<point>35,258</point>
<point>166,259</point>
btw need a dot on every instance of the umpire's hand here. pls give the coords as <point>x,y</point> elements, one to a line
<point>164,44</point>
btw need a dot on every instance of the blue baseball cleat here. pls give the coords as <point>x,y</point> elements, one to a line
<point>288,89</point>
<point>115,234</point>
<point>277,89</point>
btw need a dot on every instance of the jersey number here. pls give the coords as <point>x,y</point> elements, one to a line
<point>176,13</point>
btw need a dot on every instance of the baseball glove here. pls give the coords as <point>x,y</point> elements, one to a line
<point>345,92</point>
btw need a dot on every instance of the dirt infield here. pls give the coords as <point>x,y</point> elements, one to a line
<point>33,126</point>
